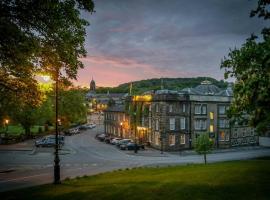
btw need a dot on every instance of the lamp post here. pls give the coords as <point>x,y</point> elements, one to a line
<point>56,154</point>
<point>135,140</point>
<point>6,124</point>
<point>47,78</point>
<point>121,131</point>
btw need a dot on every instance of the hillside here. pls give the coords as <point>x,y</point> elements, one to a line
<point>155,84</point>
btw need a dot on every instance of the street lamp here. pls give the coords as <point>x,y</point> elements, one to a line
<point>121,131</point>
<point>47,78</point>
<point>6,124</point>
<point>135,140</point>
<point>56,157</point>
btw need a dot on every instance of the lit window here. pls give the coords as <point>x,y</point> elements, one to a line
<point>172,124</point>
<point>211,115</point>
<point>221,136</point>
<point>182,123</point>
<point>211,128</point>
<point>182,139</point>
<point>171,140</point>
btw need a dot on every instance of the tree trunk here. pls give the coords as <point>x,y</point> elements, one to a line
<point>204,155</point>
<point>27,131</point>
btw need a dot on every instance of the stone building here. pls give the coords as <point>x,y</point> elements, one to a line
<point>172,120</point>
<point>100,101</point>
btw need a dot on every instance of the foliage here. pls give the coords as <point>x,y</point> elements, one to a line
<point>72,107</point>
<point>250,65</point>
<point>203,145</point>
<point>138,87</point>
<point>39,35</point>
<point>246,180</point>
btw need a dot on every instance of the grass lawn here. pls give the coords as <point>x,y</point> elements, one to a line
<point>17,129</point>
<point>229,180</point>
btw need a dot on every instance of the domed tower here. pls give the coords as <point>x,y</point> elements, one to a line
<point>92,85</point>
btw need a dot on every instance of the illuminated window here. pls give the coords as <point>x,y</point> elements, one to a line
<point>171,140</point>
<point>182,139</point>
<point>211,115</point>
<point>211,128</point>
<point>221,136</point>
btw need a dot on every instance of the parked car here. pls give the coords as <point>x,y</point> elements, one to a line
<point>72,131</point>
<point>122,142</point>
<point>131,146</point>
<point>101,137</point>
<point>49,141</point>
<point>108,139</point>
<point>61,138</point>
<point>114,141</point>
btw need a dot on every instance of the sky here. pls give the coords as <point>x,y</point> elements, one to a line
<point>130,40</point>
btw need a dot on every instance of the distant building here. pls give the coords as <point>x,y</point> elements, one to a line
<point>172,120</point>
<point>99,101</point>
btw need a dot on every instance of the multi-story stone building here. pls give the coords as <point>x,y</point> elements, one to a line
<point>172,120</point>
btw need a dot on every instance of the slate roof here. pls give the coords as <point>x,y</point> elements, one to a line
<point>116,108</point>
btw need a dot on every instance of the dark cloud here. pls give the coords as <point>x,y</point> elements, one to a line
<point>171,35</point>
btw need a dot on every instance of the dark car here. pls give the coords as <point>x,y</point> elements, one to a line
<point>49,141</point>
<point>131,146</point>
<point>101,137</point>
<point>123,142</point>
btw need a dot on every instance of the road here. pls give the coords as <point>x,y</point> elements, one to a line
<point>84,155</point>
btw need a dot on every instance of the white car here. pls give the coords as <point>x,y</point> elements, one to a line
<point>115,141</point>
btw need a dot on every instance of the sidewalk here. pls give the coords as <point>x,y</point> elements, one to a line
<point>27,145</point>
<point>150,152</point>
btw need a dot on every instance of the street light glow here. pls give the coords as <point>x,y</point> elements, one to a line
<point>6,121</point>
<point>46,77</point>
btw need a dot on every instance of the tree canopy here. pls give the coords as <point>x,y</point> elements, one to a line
<point>40,36</point>
<point>250,66</point>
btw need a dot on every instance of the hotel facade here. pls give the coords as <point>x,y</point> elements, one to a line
<point>172,120</point>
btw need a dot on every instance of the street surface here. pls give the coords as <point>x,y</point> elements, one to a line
<point>82,155</point>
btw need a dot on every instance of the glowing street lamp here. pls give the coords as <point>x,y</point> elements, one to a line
<point>6,124</point>
<point>121,124</point>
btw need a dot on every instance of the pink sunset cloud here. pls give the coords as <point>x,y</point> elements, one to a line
<point>112,71</point>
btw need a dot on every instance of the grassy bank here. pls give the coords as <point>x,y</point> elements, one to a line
<point>15,130</point>
<point>230,180</point>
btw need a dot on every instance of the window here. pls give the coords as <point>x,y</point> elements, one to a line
<point>197,109</point>
<point>157,138</point>
<point>200,109</point>
<point>211,115</point>
<point>182,123</point>
<point>157,125</point>
<point>182,139</point>
<point>172,124</point>
<point>157,108</point>
<point>222,123</point>
<point>150,108</point>
<point>204,109</point>
<point>150,123</point>
<point>171,140</point>
<point>170,108</point>
<point>222,110</point>
<point>184,107</point>
<point>227,136</point>
<point>200,124</point>
<point>221,136</point>
<point>211,128</point>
